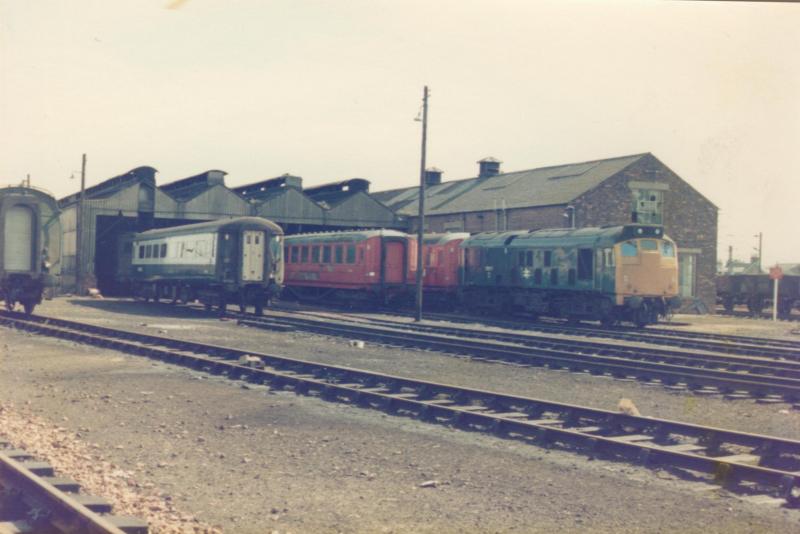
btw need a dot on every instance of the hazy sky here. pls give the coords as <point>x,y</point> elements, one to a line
<point>328,90</point>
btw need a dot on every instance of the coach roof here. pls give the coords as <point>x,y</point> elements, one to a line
<point>213,226</point>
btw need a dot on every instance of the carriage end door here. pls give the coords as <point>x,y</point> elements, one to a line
<point>253,256</point>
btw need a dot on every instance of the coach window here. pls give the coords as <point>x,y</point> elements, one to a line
<point>286,254</point>
<point>148,251</point>
<point>304,255</point>
<point>339,254</point>
<point>326,254</point>
<point>351,253</point>
<point>521,258</point>
<point>537,276</point>
<point>629,249</point>
<point>585,267</point>
<point>163,250</point>
<point>548,258</point>
<point>315,254</point>
<point>529,258</point>
<point>361,254</point>
<point>553,277</point>
<point>294,253</point>
<point>141,251</point>
<point>571,277</point>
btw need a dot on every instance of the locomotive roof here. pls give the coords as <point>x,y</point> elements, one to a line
<point>441,239</point>
<point>356,235</point>
<point>212,226</point>
<point>563,236</point>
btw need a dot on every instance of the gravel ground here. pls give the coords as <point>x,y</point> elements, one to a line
<point>201,450</point>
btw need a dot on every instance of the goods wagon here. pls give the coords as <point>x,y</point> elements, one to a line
<point>442,261</point>
<point>609,274</point>
<point>30,246</point>
<point>757,290</point>
<point>219,262</point>
<point>368,265</point>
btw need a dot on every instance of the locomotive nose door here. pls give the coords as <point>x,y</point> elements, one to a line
<point>253,256</point>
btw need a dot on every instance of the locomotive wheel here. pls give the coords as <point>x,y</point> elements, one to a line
<point>642,315</point>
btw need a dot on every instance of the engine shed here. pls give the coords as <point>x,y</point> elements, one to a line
<point>133,202</point>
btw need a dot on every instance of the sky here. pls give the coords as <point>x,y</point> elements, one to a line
<point>329,91</point>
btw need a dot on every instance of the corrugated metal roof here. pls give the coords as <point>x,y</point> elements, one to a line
<point>535,187</point>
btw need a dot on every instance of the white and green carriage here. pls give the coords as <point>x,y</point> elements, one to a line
<point>219,262</point>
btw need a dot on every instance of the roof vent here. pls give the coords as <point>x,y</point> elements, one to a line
<point>433,176</point>
<point>488,167</point>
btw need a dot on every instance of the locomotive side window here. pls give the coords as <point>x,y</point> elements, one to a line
<point>339,254</point>
<point>548,258</point>
<point>629,249</point>
<point>351,253</point>
<point>667,249</point>
<point>315,254</point>
<point>326,254</point>
<point>585,266</point>
<point>304,255</point>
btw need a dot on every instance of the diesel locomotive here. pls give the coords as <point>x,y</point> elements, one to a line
<point>235,261</point>
<point>370,265</point>
<point>30,245</point>
<point>610,274</point>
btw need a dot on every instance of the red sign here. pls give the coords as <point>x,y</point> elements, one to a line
<point>775,273</point>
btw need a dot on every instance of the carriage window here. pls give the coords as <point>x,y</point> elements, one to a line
<point>351,253</point>
<point>326,254</point>
<point>548,258</point>
<point>163,250</point>
<point>537,276</point>
<point>247,239</point>
<point>339,254</point>
<point>315,254</point>
<point>294,254</point>
<point>571,277</point>
<point>257,239</point>
<point>304,255</point>
<point>286,254</point>
<point>361,254</point>
<point>649,244</point>
<point>521,258</point>
<point>141,251</point>
<point>667,249</point>
<point>529,258</point>
<point>554,277</point>
<point>585,267</point>
<point>148,251</point>
<point>629,249</point>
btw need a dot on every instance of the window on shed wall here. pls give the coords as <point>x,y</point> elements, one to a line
<point>686,274</point>
<point>351,253</point>
<point>315,254</point>
<point>647,206</point>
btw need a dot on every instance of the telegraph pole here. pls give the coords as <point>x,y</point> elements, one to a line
<point>759,236</point>
<point>421,229</point>
<point>79,231</point>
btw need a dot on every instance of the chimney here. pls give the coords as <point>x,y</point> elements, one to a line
<point>488,167</point>
<point>433,176</point>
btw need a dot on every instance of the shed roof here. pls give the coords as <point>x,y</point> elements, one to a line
<point>113,185</point>
<point>543,186</point>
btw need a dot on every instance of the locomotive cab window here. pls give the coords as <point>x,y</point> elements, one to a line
<point>648,244</point>
<point>629,249</point>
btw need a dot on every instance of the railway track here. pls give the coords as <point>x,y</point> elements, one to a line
<point>34,500</point>
<point>659,335</point>
<point>736,377</point>
<point>740,461</point>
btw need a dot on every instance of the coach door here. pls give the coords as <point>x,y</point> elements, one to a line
<point>19,239</point>
<point>394,260</point>
<point>253,256</point>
